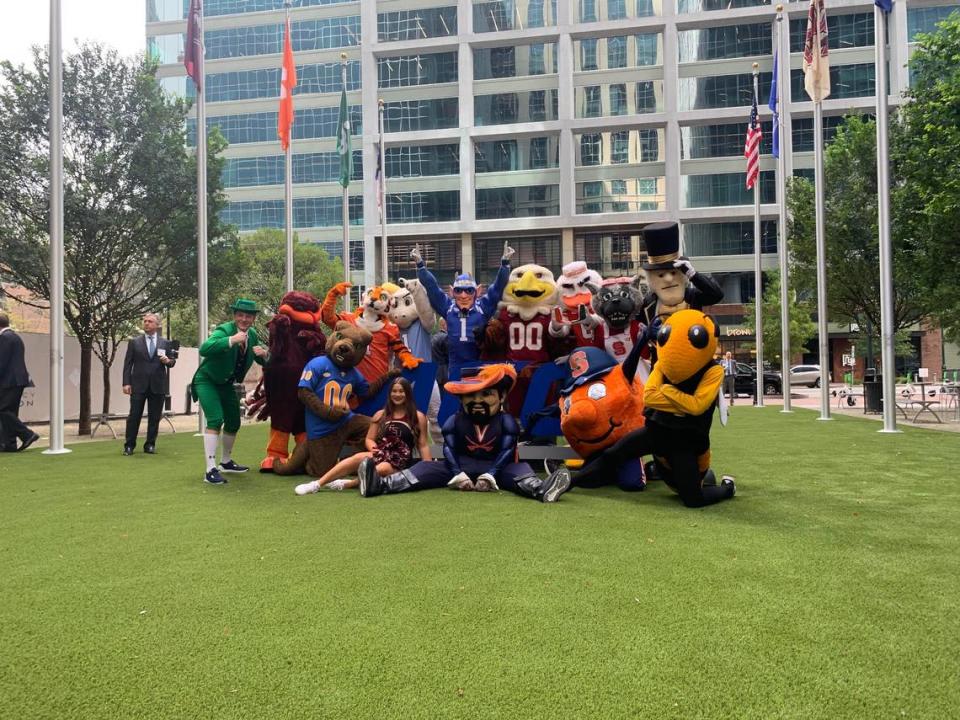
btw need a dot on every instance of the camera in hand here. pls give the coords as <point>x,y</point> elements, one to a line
<point>173,349</point>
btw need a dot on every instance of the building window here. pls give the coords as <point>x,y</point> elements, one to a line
<point>646,97</point>
<point>924,19</point>
<point>417,24</point>
<point>516,154</point>
<point>588,10</point>
<point>723,189</point>
<point>843,31</point>
<point>650,145</point>
<point>307,213</point>
<point>542,250</point>
<point>422,160</point>
<point>251,84</point>
<point>592,106</point>
<point>588,54</point>
<point>618,99</point>
<point>725,41</point>
<point>728,238</point>
<point>441,255</point>
<point>423,207</point>
<point>803,131</point>
<point>414,70</point>
<point>648,49</point>
<point>694,6</point>
<point>262,127</point>
<point>620,147</point>
<point>720,91</point>
<point>846,81</point>
<point>616,9</point>
<point>698,142</point>
<point>610,254</point>
<point>591,149</point>
<point>409,115</point>
<point>616,52</point>
<point>514,202</point>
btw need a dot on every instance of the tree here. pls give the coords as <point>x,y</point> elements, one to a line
<point>130,196</point>
<point>852,241</point>
<point>925,149</point>
<point>257,270</point>
<point>802,326</point>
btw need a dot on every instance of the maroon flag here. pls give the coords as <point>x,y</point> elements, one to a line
<point>193,48</point>
<point>751,147</point>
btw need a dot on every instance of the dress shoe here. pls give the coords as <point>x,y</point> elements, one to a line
<point>127,450</point>
<point>29,441</point>
<point>150,449</point>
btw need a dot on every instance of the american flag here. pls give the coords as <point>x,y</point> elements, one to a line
<point>751,148</point>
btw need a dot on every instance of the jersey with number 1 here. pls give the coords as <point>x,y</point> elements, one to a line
<point>334,387</point>
<point>527,340</point>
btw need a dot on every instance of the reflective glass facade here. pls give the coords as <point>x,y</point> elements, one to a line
<point>518,202</point>
<point>501,15</point>
<point>569,128</point>
<point>307,213</point>
<point>423,23</point>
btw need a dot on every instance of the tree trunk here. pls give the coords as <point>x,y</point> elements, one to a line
<point>86,365</point>
<point>106,388</point>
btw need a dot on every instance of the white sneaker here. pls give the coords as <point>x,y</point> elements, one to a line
<point>338,484</point>
<point>307,488</point>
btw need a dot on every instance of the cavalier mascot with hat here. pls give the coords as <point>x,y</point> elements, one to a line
<point>679,398</point>
<point>479,448</point>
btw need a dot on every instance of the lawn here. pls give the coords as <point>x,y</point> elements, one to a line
<point>828,588</point>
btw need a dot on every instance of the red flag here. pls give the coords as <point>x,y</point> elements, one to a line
<point>193,47</point>
<point>751,147</point>
<point>288,81</point>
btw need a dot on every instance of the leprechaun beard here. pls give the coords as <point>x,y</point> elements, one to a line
<point>480,413</point>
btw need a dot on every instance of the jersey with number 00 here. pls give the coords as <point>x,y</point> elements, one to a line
<point>334,387</point>
<point>527,340</point>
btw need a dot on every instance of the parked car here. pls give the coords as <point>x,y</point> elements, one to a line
<point>746,381</point>
<point>808,375</point>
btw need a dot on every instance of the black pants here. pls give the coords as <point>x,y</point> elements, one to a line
<point>681,452</point>
<point>154,405</point>
<point>10,426</point>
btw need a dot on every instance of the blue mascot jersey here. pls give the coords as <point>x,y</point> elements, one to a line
<point>334,387</point>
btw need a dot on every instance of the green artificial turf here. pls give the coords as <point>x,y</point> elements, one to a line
<point>827,589</point>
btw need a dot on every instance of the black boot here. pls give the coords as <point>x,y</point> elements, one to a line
<point>548,490</point>
<point>371,484</point>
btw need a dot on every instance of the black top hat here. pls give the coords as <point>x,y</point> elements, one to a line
<point>663,245</point>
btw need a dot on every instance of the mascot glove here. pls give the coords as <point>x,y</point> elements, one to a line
<point>508,252</point>
<point>685,267</point>
<point>559,328</point>
<point>490,479</point>
<point>341,288</point>
<point>456,480</point>
<point>409,363</point>
<point>415,254</point>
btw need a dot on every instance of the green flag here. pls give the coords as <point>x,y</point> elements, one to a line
<point>343,142</point>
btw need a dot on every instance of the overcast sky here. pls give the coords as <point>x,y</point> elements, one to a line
<point>118,23</point>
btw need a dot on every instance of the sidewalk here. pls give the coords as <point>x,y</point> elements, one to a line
<point>181,424</point>
<point>809,399</point>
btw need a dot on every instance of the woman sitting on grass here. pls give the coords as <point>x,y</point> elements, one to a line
<point>393,433</point>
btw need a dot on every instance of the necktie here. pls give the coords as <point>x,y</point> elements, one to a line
<point>150,347</point>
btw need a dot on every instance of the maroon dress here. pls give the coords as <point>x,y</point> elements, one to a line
<point>395,444</point>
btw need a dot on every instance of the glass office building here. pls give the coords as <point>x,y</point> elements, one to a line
<point>563,126</point>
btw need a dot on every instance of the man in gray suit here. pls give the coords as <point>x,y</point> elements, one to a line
<point>146,381</point>
<point>13,379</point>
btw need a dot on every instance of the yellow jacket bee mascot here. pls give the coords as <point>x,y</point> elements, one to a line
<point>679,399</point>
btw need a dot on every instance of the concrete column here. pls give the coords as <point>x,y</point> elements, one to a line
<point>565,110</point>
<point>465,93</point>
<point>369,97</point>
<point>670,102</point>
<point>566,246</point>
<point>466,254</point>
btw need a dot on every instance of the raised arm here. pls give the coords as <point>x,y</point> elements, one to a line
<point>438,299</point>
<point>217,344</point>
<point>488,303</point>
<point>328,311</point>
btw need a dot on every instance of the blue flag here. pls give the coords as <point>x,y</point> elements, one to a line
<point>772,104</point>
<point>885,5</point>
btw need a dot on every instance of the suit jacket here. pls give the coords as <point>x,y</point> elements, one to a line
<point>13,367</point>
<point>703,290</point>
<point>143,373</point>
<point>218,360</point>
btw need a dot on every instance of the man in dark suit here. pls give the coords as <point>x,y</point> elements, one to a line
<point>145,380</point>
<point>13,379</point>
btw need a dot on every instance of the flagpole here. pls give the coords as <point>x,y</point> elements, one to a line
<point>783,69</point>
<point>887,357</point>
<point>822,330</point>
<point>383,196</point>
<point>757,270</point>
<point>346,195</point>
<point>202,269</point>
<point>55,446</point>
<point>288,186</point>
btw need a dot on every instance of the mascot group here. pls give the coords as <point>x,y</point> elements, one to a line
<point>629,377</point>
